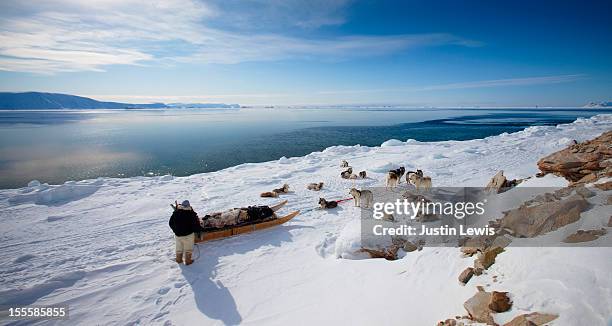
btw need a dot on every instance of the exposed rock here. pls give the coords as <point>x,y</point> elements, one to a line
<point>409,247</point>
<point>500,242</point>
<point>532,319</point>
<point>478,307</point>
<point>609,202</point>
<point>584,192</point>
<point>584,236</point>
<point>386,253</point>
<point>466,275</point>
<point>605,186</point>
<point>610,222</point>
<point>398,241</point>
<point>448,322</point>
<point>471,246</point>
<point>500,302</point>
<point>487,258</point>
<point>583,162</point>
<point>478,271</point>
<point>530,221</point>
<point>499,183</point>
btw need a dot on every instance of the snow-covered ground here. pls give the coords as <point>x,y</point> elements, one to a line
<point>104,246</point>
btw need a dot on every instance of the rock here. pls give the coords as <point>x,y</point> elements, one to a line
<point>478,307</point>
<point>398,241</point>
<point>386,253</point>
<point>609,202</point>
<point>501,242</point>
<point>584,236</point>
<point>584,192</point>
<point>469,251</point>
<point>478,271</point>
<point>610,222</point>
<point>536,219</point>
<point>499,183</point>
<point>409,247</point>
<point>532,319</point>
<point>587,178</point>
<point>500,302</point>
<point>448,322</point>
<point>581,163</point>
<point>466,275</point>
<point>487,258</point>
<point>604,186</point>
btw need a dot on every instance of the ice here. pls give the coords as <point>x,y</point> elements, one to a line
<point>392,142</point>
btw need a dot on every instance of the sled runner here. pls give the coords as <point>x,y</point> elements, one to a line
<point>229,231</point>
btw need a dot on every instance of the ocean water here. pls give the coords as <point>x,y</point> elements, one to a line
<point>56,146</point>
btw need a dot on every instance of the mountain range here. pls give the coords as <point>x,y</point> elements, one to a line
<point>55,101</point>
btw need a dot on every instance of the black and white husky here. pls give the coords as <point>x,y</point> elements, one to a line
<point>394,177</point>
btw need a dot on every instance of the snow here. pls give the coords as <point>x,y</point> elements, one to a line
<point>104,248</point>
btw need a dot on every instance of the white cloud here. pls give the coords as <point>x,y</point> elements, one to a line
<point>507,82</point>
<point>527,81</point>
<point>69,35</point>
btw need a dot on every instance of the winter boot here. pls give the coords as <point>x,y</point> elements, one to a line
<point>188,260</point>
<point>179,257</point>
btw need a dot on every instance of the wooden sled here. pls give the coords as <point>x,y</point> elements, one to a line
<point>246,228</point>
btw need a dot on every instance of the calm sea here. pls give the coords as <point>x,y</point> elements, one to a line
<point>56,146</point>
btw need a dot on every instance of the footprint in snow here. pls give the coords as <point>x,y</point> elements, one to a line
<point>163,290</point>
<point>327,246</point>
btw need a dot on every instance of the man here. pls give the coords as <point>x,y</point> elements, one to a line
<point>184,222</point>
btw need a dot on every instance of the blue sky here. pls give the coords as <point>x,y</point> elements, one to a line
<point>417,53</point>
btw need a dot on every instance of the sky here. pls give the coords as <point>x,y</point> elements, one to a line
<point>316,52</point>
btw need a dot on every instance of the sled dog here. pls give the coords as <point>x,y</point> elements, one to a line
<point>327,204</point>
<point>274,193</point>
<point>315,186</point>
<point>347,174</point>
<point>399,173</point>
<point>419,181</point>
<point>362,196</point>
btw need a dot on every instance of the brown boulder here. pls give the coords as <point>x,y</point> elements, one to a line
<point>532,319</point>
<point>499,183</point>
<point>584,236</point>
<point>584,192</point>
<point>500,302</point>
<point>605,186</point>
<point>466,275</point>
<point>539,218</point>
<point>478,307</point>
<point>386,253</point>
<point>409,246</point>
<point>448,322</point>
<point>487,258</point>
<point>584,162</point>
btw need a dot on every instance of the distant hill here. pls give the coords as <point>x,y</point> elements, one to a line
<point>54,101</point>
<point>43,101</point>
<point>599,105</point>
<point>203,105</point>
